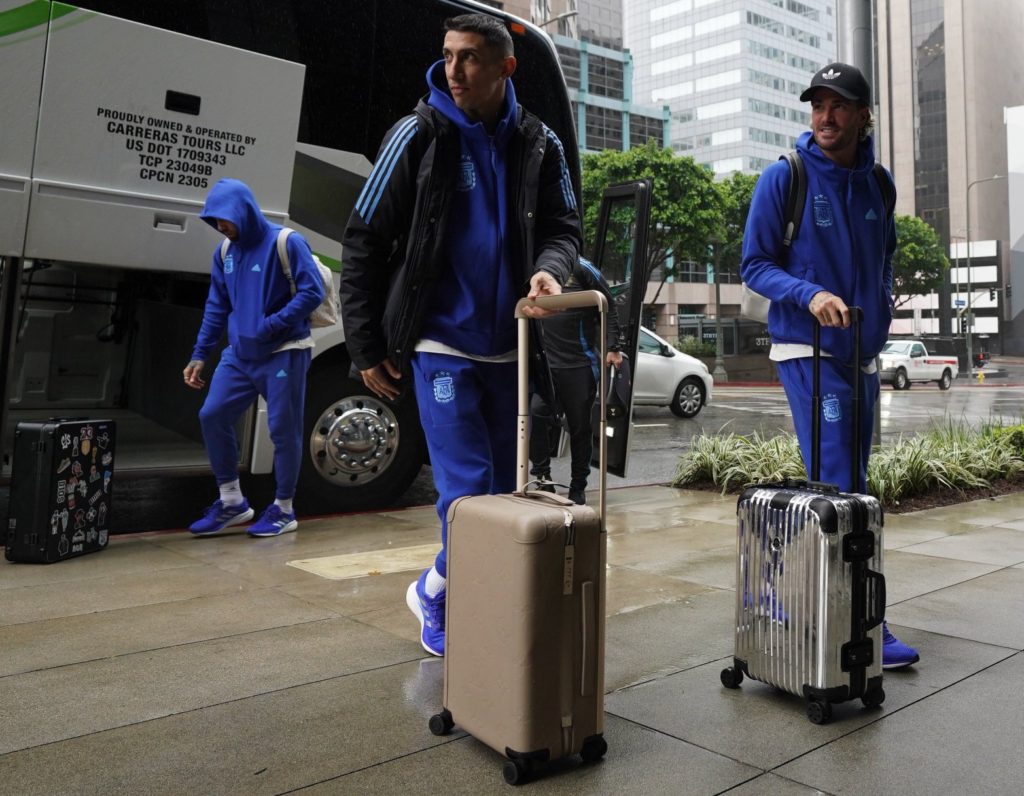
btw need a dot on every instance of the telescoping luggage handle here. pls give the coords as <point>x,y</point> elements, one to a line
<point>856,316</point>
<point>565,301</point>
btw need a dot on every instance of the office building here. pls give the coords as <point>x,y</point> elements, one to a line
<point>731,71</point>
<point>946,71</point>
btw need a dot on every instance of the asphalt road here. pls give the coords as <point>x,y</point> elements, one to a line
<point>658,440</point>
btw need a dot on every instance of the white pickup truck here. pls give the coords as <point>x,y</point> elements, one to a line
<point>907,361</point>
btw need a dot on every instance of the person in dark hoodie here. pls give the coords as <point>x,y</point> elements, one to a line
<point>572,347</point>
<point>469,207</point>
<point>268,353</point>
<point>841,258</point>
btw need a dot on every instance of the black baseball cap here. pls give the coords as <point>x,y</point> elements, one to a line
<point>843,79</point>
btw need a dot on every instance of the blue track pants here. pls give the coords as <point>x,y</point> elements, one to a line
<point>281,380</point>
<point>837,432</point>
<point>468,412</point>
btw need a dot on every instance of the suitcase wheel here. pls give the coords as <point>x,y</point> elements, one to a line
<point>441,723</point>
<point>731,678</point>
<point>873,698</point>
<point>593,749</point>
<point>819,712</point>
<point>516,771</point>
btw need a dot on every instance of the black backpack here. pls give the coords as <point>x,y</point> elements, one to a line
<point>797,195</point>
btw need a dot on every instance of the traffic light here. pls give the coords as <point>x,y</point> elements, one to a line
<point>992,294</point>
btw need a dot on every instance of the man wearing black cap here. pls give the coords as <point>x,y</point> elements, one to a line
<point>841,257</point>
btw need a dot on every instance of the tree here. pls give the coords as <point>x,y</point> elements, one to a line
<point>920,263</point>
<point>736,192</point>
<point>685,206</point>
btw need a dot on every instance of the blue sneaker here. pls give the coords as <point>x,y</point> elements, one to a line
<point>767,606</point>
<point>896,654</point>
<point>430,612</point>
<point>273,522</point>
<point>219,516</point>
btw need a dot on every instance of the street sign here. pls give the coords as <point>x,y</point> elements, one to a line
<point>960,302</point>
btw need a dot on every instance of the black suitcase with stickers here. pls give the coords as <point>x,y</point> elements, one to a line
<point>61,486</point>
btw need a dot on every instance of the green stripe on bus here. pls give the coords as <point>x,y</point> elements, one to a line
<point>330,262</point>
<point>30,16</point>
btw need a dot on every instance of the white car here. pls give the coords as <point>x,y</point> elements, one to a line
<point>664,376</point>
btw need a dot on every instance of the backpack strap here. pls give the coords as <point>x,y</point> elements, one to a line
<point>887,188</point>
<point>282,255</point>
<point>795,198</point>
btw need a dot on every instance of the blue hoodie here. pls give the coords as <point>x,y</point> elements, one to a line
<point>248,289</point>
<point>845,246</point>
<point>474,300</point>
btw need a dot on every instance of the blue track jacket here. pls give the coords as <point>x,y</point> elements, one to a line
<point>472,308</point>
<point>249,292</point>
<point>845,246</point>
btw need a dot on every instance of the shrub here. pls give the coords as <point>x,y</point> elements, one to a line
<point>1013,434</point>
<point>950,456</point>
<point>695,347</point>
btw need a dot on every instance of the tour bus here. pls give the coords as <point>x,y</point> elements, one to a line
<point>118,116</point>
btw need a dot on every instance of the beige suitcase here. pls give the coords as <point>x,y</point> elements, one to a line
<point>524,627</point>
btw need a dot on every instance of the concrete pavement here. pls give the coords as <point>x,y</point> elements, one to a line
<point>168,664</point>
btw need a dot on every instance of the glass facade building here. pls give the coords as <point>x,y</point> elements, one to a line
<point>600,87</point>
<point>731,71</point>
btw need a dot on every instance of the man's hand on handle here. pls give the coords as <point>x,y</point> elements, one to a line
<point>829,309</point>
<point>614,359</point>
<point>541,284</point>
<point>380,379</point>
<point>191,374</point>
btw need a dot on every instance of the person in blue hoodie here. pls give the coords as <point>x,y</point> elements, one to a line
<point>469,207</point>
<point>268,354</point>
<point>841,258</point>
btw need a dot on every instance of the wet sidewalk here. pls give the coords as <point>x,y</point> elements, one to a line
<point>168,664</point>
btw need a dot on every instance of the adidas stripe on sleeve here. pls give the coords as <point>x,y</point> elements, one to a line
<point>369,198</point>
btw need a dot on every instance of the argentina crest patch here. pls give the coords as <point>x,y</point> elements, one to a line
<point>822,210</point>
<point>831,409</point>
<point>444,387</point>
<point>229,264</point>
<point>467,174</point>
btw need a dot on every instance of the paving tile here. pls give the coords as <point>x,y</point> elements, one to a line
<point>264,562</point>
<point>46,706</point>
<point>667,551</point>
<point>106,634</point>
<point>985,609</point>
<point>714,567</point>
<point>763,727</point>
<point>377,601</point>
<point>902,530</point>
<point>265,744</point>
<point>909,575</point>
<point>124,554</point>
<point>633,521</point>
<point>984,546</point>
<point>630,589</point>
<point>985,512</point>
<point>773,785</point>
<point>661,639</point>
<point>369,562</point>
<point>965,739</point>
<point>638,761</point>
<point>78,597</point>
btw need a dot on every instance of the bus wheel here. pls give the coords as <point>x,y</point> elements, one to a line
<point>361,452</point>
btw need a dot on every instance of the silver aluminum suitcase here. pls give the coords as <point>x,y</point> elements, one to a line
<point>810,594</point>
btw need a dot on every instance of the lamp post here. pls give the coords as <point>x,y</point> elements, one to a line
<point>719,371</point>
<point>558,18</point>
<point>958,324</point>
<point>967,335</point>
